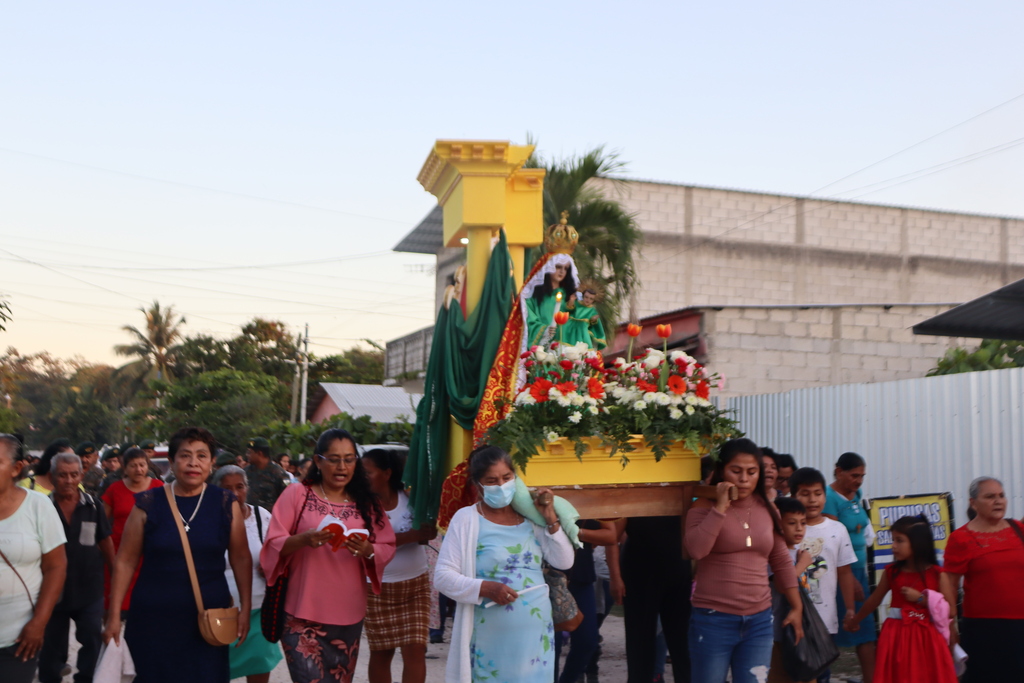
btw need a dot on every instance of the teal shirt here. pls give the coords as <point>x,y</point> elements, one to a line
<point>853,516</point>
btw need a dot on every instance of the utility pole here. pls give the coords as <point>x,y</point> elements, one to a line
<point>296,379</point>
<point>305,374</point>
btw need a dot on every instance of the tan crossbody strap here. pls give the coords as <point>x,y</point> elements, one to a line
<point>187,548</point>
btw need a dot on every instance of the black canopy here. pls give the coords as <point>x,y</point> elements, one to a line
<point>996,315</point>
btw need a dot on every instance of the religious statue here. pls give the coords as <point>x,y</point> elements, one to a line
<point>550,285</point>
<point>584,323</point>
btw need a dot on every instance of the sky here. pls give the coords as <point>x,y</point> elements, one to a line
<point>259,159</point>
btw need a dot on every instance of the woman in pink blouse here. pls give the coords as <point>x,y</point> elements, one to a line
<point>734,542</point>
<point>322,627</point>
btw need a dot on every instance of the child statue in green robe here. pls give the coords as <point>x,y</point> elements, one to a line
<point>584,323</point>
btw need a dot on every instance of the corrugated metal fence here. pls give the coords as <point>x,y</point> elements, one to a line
<point>923,435</point>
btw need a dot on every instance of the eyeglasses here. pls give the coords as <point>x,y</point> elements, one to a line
<point>337,462</point>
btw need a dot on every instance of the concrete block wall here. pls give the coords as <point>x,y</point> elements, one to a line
<point>766,350</point>
<point>709,246</point>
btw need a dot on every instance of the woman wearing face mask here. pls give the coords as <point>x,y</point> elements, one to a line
<point>490,564</point>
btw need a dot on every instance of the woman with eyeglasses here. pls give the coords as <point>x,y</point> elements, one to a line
<point>331,534</point>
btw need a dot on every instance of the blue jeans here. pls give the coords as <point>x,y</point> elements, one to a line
<point>720,641</point>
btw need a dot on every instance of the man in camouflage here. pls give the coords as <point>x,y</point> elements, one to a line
<point>93,477</point>
<point>266,478</point>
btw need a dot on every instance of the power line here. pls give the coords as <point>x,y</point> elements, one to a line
<point>203,188</point>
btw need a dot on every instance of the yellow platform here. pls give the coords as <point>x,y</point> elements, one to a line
<point>559,466</point>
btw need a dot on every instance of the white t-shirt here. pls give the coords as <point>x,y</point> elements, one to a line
<point>410,560</point>
<point>32,531</point>
<point>830,548</point>
<point>259,584</point>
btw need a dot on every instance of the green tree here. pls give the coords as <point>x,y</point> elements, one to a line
<point>10,421</point>
<point>5,315</point>
<point>201,353</point>
<point>991,354</point>
<point>354,366</point>
<point>233,405</point>
<point>609,235</point>
<point>154,346</point>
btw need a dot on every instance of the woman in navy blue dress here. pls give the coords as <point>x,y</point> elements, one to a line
<point>163,629</point>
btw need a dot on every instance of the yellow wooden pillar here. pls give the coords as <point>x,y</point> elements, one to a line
<point>482,187</point>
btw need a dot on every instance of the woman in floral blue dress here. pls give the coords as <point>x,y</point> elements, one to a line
<point>490,564</point>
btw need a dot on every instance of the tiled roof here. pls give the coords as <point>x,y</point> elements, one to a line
<point>427,237</point>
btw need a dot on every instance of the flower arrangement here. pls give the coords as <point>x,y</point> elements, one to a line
<point>571,394</point>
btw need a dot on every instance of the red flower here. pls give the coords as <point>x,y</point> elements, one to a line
<point>530,363</point>
<point>703,389</point>
<point>566,388</point>
<point>554,373</point>
<point>562,317</point>
<point>664,331</point>
<point>525,354</point>
<point>595,388</point>
<point>554,345</point>
<point>633,330</point>
<point>681,362</point>
<point>539,389</point>
<point>645,386</point>
<point>677,385</point>
<point>655,373</point>
<point>566,364</point>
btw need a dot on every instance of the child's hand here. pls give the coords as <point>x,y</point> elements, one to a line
<point>910,594</point>
<point>803,561</point>
<point>851,623</point>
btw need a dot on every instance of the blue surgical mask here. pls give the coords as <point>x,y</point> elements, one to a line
<point>500,496</point>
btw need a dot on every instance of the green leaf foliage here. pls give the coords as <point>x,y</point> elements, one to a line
<point>991,354</point>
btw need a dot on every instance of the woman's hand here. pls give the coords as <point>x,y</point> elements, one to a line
<point>544,500</point>
<point>314,538</point>
<point>243,626</point>
<point>30,639</point>
<point>910,594</point>
<point>795,618</point>
<point>497,592</point>
<point>358,545</point>
<point>113,628</point>
<point>724,497</point>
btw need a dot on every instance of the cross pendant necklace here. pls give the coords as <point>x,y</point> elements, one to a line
<point>746,525</point>
<point>188,522</point>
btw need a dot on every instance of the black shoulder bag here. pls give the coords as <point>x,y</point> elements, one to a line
<point>272,610</point>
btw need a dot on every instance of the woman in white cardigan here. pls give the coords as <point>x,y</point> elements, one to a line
<point>490,564</point>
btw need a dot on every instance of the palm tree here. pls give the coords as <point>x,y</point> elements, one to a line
<point>156,346</point>
<point>609,235</point>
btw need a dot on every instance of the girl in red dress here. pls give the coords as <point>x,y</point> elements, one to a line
<point>911,649</point>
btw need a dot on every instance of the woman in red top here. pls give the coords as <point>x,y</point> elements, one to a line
<point>119,499</point>
<point>988,553</point>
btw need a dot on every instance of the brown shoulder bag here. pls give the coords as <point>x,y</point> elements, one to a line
<point>218,626</point>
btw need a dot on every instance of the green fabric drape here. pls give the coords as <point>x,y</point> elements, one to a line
<point>461,354</point>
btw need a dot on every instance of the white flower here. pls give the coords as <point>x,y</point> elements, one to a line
<point>639,405</point>
<point>590,400</point>
<point>593,410</point>
<point>675,413</point>
<point>619,362</point>
<point>703,402</point>
<point>553,437</point>
<point>691,400</point>
<point>576,399</point>
<point>576,417</point>
<point>661,398</point>
<point>525,398</point>
<point>676,355</point>
<point>675,399</point>
<point>690,410</point>
<point>654,359</point>
<point>650,397</point>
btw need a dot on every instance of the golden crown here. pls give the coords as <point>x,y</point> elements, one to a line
<point>561,238</point>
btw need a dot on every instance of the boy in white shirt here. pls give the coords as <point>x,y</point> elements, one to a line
<point>828,542</point>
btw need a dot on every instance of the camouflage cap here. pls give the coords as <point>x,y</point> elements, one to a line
<point>224,458</point>
<point>258,443</point>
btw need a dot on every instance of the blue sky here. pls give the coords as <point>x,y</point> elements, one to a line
<point>147,151</point>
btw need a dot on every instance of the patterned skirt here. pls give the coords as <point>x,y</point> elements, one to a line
<point>399,615</point>
<point>318,652</point>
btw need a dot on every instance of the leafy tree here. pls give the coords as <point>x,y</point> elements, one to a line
<point>264,346</point>
<point>10,421</point>
<point>154,346</point>
<point>5,315</point>
<point>991,354</point>
<point>609,235</point>
<point>300,440</point>
<point>201,353</point>
<point>233,405</point>
<point>354,366</point>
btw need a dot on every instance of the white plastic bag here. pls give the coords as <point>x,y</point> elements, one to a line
<point>115,664</point>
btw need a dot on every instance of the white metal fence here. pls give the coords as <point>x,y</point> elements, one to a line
<point>923,435</point>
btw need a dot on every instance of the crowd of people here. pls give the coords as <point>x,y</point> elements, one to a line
<point>222,566</point>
